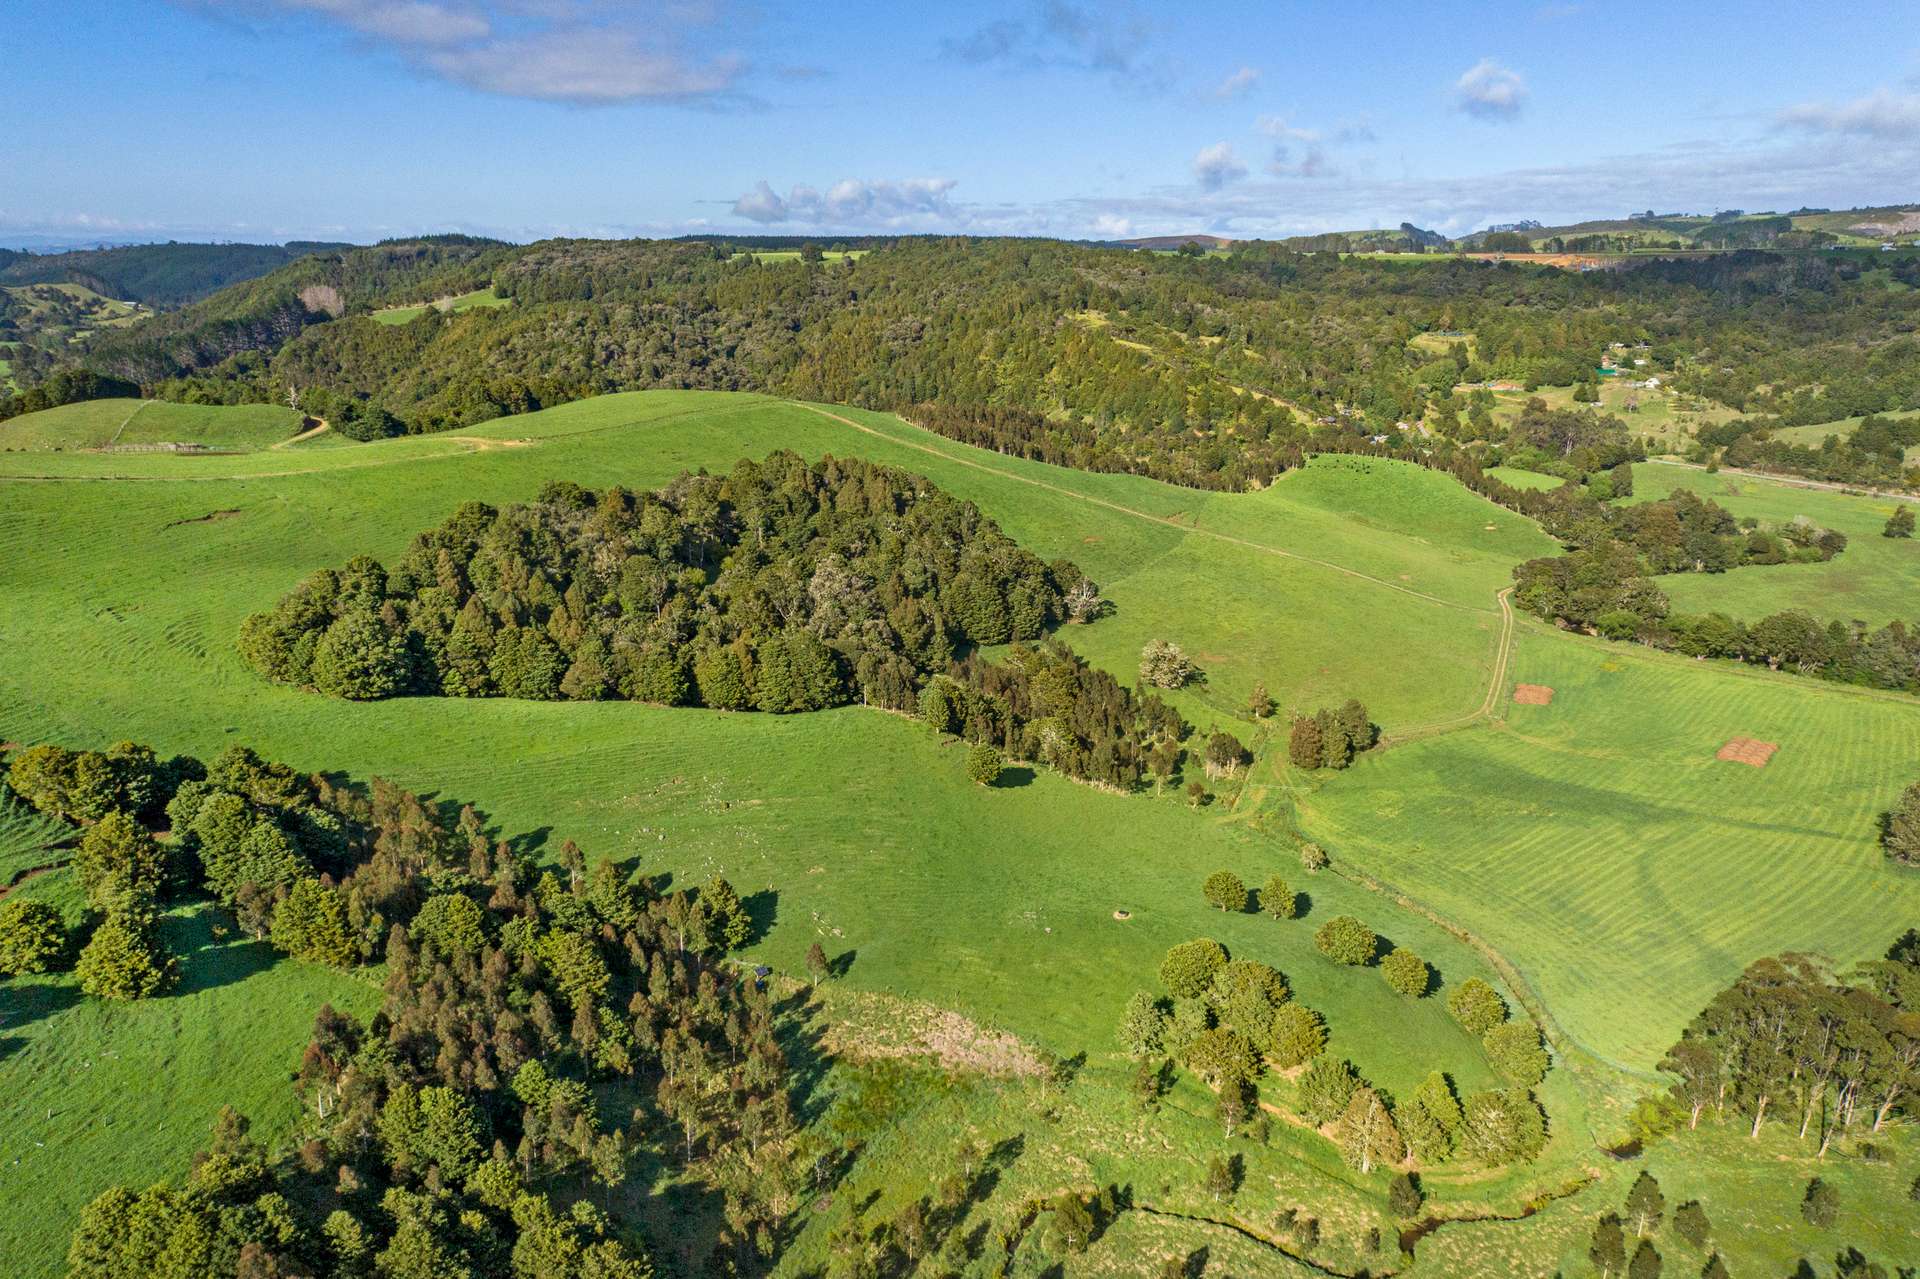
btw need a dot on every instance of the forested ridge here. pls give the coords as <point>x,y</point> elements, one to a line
<point>1190,369</point>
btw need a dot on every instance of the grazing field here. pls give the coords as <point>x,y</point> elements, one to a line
<point>94,424</point>
<point>483,298</point>
<point>1626,871</point>
<point>100,1093</point>
<point>851,827</point>
<point>1876,579</point>
<point>1812,436</point>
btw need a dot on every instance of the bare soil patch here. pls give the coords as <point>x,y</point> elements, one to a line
<point>1748,750</point>
<point>867,1024</point>
<point>1532,694</point>
<point>208,518</point>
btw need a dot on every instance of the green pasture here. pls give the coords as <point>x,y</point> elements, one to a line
<point>99,1093</point>
<point>1813,436</point>
<point>94,424</point>
<point>1624,870</point>
<point>480,298</point>
<point>127,577</point>
<point>1875,580</point>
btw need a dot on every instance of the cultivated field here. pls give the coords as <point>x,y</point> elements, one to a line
<point>1626,871</point>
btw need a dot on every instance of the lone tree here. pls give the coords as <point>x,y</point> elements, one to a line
<point>1608,1251</point>
<point>1259,702</point>
<point>1346,940</point>
<point>817,962</point>
<point>1403,1196</point>
<point>1900,523</point>
<point>32,937</point>
<point>983,765</point>
<point>1278,900</point>
<point>1821,1207</point>
<point>1313,857</point>
<point>1901,835</point>
<point>1164,665</point>
<point>1477,1006</point>
<point>1406,972</point>
<point>1645,1204</point>
<point>1225,891</point>
<point>1690,1219</point>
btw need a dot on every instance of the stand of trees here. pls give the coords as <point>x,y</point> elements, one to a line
<point>778,587</point>
<point>1795,1044</point>
<point>539,1027</point>
<point>1227,1020</point>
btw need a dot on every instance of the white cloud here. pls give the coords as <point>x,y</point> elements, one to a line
<point>1237,83</point>
<point>587,66</point>
<point>407,23</point>
<point>1111,226</point>
<point>1217,165</point>
<point>1276,127</point>
<point>573,51</point>
<point>854,202</point>
<point>761,204</point>
<point>1882,114</point>
<point>1490,91</point>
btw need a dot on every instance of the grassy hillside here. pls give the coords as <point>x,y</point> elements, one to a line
<point>93,424</point>
<point>100,1093</point>
<point>1876,579</point>
<point>1625,870</point>
<point>483,298</point>
<point>851,827</point>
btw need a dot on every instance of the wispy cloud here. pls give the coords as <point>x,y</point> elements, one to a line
<point>1216,166</point>
<point>1110,39</point>
<point>1237,83</point>
<point>583,52</point>
<point>1490,91</point>
<point>889,205</point>
<point>1882,114</point>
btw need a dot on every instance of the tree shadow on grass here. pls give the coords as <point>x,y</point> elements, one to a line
<point>210,954</point>
<point>1013,775</point>
<point>763,909</point>
<point>840,965</point>
<point>25,1001</point>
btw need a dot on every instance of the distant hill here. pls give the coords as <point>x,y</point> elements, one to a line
<point>1729,229</point>
<point>156,275</point>
<point>1173,241</point>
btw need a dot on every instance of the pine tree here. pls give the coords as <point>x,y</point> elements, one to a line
<point>1645,1204</point>
<point>1608,1251</point>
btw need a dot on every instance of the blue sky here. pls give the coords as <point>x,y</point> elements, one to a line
<point>356,119</point>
